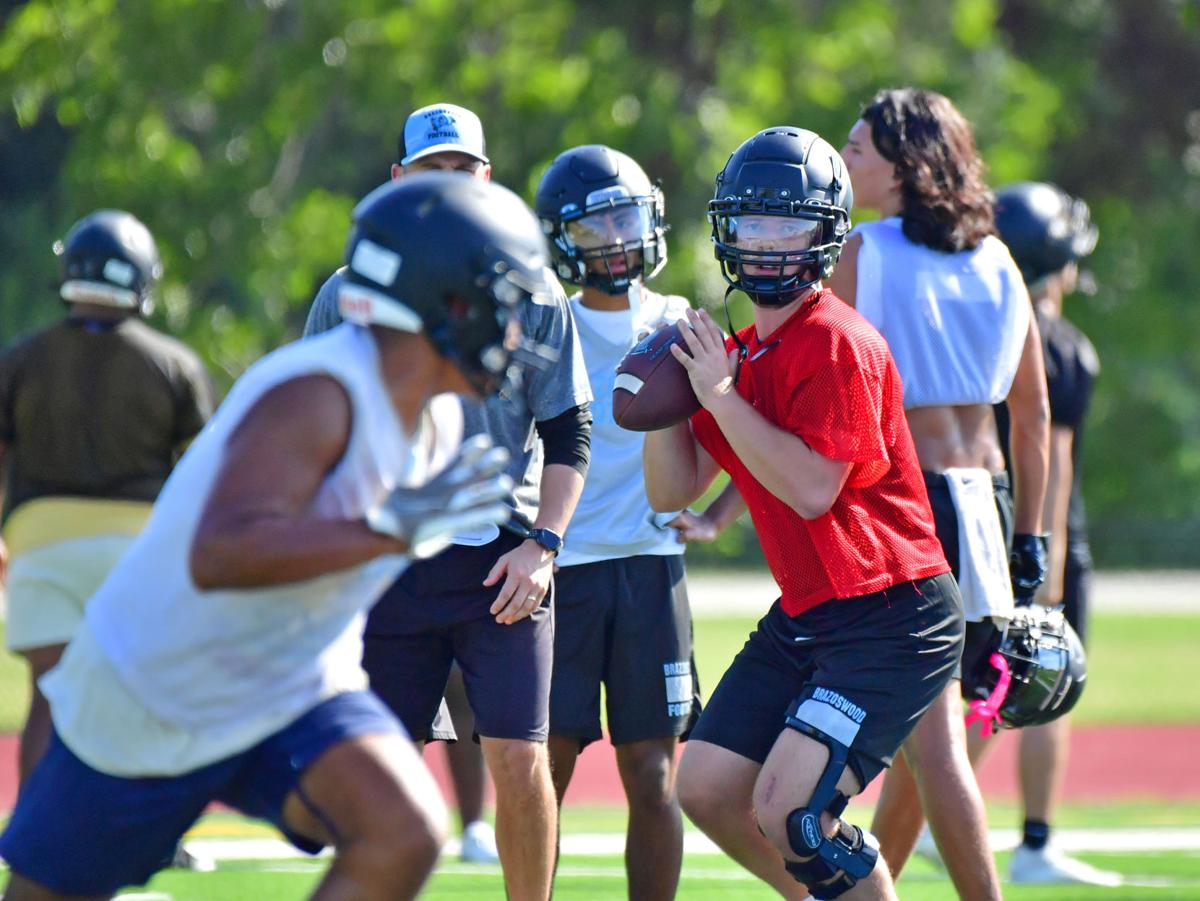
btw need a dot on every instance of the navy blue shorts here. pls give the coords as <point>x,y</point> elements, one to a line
<point>883,656</point>
<point>625,623</point>
<point>79,831</point>
<point>437,613</point>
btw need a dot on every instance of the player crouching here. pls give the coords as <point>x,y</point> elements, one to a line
<point>803,409</point>
<point>220,660</point>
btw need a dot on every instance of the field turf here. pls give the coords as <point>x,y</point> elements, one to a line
<point>1162,876</point>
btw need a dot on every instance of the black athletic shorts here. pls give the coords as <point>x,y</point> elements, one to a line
<point>982,637</point>
<point>625,623</point>
<point>437,613</point>
<point>871,665</point>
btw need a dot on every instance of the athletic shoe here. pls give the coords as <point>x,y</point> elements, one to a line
<point>927,848</point>
<point>183,859</point>
<point>1049,866</point>
<point>479,843</point>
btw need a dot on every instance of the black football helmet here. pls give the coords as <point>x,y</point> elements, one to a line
<point>109,258</point>
<point>1044,227</point>
<point>596,203</point>
<point>780,214</point>
<point>1047,665</point>
<point>454,258</point>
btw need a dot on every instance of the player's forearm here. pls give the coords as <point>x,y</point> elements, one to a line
<point>560,490</point>
<point>264,551</point>
<point>670,467</point>
<point>782,463</point>
<point>1054,514</point>
<point>1030,440</point>
<point>726,508</point>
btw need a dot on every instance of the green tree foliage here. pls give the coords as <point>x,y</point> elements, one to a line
<point>243,131</point>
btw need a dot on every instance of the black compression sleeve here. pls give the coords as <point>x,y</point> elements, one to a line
<point>567,438</point>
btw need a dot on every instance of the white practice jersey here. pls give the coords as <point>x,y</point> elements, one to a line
<point>163,677</point>
<point>954,322</point>
<point>613,518</point>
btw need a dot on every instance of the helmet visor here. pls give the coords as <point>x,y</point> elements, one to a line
<point>768,234</point>
<point>615,226</point>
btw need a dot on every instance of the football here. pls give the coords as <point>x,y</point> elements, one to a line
<point>652,390</point>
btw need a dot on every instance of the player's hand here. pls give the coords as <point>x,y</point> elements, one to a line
<point>710,367</point>
<point>691,526</point>
<point>527,571</point>
<point>469,493</point>
<point>1027,566</point>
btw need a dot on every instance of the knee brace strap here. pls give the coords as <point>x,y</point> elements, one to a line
<point>829,866</point>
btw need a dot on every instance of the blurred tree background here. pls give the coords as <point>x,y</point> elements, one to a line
<point>242,132</point>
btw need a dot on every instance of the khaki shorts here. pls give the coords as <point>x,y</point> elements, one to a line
<point>48,587</point>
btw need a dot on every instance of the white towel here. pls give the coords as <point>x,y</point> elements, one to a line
<point>982,557</point>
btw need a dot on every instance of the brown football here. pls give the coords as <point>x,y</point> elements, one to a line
<point>652,389</point>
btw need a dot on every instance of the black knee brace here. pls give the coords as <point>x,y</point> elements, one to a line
<point>828,866</point>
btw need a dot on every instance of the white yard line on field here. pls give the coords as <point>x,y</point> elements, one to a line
<point>606,844</point>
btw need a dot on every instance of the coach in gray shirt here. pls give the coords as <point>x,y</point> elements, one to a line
<point>485,602</point>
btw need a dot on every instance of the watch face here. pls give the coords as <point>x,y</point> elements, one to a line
<point>547,539</point>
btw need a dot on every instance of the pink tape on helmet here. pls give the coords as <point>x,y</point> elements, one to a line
<point>987,711</point>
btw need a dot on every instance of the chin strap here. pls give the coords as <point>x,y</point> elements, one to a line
<point>987,711</point>
<point>743,350</point>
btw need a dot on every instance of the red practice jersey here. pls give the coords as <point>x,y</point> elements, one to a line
<point>826,376</point>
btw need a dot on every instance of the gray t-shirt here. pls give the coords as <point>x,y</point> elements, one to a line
<point>508,420</point>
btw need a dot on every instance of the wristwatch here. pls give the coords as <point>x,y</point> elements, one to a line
<point>547,538</point>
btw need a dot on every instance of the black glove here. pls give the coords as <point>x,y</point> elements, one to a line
<point>1027,566</point>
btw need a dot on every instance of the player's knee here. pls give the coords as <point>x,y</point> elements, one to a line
<point>833,855</point>
<point>647,779</point>
<point>396,846</point>
<point>518,765</point>
<point>702,801</point>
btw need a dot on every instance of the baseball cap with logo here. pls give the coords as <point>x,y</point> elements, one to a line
<point>442,128</point>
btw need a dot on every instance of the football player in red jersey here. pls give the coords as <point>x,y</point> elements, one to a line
<point>803,409</point>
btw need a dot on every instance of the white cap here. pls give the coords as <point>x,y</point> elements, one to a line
<point>441,128</point>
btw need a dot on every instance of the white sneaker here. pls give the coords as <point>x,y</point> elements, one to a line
<point>479,843</point>
<point>927,848</point>
<point>1049,866</point>
<point>183,859</point>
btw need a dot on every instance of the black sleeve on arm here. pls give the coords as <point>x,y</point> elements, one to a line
<point>567,438</point>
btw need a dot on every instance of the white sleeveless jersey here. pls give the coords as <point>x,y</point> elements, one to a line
<point>613,518</point>
<point>955,322</point>
<point>214,672</point>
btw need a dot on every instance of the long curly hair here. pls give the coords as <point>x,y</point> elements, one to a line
<point>946,204</point>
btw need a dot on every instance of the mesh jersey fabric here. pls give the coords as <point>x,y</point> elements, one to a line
<point>825,376</point>
<point>98,410</point>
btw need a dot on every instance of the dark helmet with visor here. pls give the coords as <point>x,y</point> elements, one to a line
<point>1043,662</point>
<point>109,258</point>
<point>596,204</point>
<point>1044,227</point>
<point>455,258</point>
<point>780,214</point>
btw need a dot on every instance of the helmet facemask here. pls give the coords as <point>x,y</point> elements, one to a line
<point>624,234</point>
<point>773,249</point>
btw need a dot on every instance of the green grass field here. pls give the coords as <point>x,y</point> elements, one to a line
<point>1137,667</point>
<point>1142,670</point>
<point>1171,876</point>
